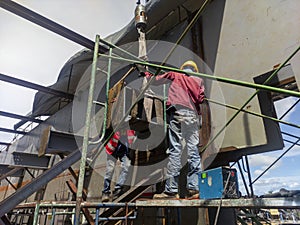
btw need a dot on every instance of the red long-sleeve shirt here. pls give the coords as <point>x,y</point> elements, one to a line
<point>187,91</point>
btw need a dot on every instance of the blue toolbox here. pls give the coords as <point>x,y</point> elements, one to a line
<point>212,183</point>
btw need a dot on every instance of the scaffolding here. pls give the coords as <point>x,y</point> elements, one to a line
<point>77,208</point>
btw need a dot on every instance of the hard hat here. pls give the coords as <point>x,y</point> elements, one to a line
<point>190,65</point>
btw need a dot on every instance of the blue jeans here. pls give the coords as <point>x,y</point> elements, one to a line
<point>121,154</point>
<point>184,125</point>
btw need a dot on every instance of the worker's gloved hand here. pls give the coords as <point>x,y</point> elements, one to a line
<point>141,68</point>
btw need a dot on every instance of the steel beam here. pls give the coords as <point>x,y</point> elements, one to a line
<point>34,86</point>
<point>12,131</point>
<point>56,142</point>
<point>24,192</point>
<point>6,171</point>
<point>21,159</point>
<point>20,117</point>
<point>5,143</point>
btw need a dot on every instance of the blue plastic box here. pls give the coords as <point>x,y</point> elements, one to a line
<point>212,183</point>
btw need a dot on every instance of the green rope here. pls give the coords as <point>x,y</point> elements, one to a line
<point>253,113</point>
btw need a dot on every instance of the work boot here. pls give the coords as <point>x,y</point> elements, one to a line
<point>105,197</point>
<point>117,193</point>
<point>192,194</point>
<point>166,195</point>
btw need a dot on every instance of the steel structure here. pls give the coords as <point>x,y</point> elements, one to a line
<point>10,203</point>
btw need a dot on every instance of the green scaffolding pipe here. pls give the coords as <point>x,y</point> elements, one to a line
<point>106,97</point>
<point>52,216</point>
<point>212,77</point>
<point>254,113</point>
<point>72,204</point>
<point>110,45</point>
<point>36,214</point>
<point>106,101</point>
<point>86,133</point>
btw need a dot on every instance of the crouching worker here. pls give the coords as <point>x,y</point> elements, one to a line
<point>117,149</point>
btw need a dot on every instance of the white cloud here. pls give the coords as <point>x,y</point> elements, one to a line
<point>263,161</point>
<point>295,151</point>
<point>258,172</point>
<point>274,184</point>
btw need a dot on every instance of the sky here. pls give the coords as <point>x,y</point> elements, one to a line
<point>32,53</point>
<point>285,173</point>
<point>35,54</point>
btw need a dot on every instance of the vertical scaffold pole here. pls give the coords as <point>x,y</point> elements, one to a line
<point>86,133</point>
<point>36,214</point>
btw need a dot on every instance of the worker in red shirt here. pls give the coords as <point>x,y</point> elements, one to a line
<point>185,95</point>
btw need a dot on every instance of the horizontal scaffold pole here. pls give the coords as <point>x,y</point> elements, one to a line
<point>253,113</point>
<point>211,77</point>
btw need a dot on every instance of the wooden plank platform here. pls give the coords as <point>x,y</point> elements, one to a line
<point>290,202</point>
<point>266,203</point>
